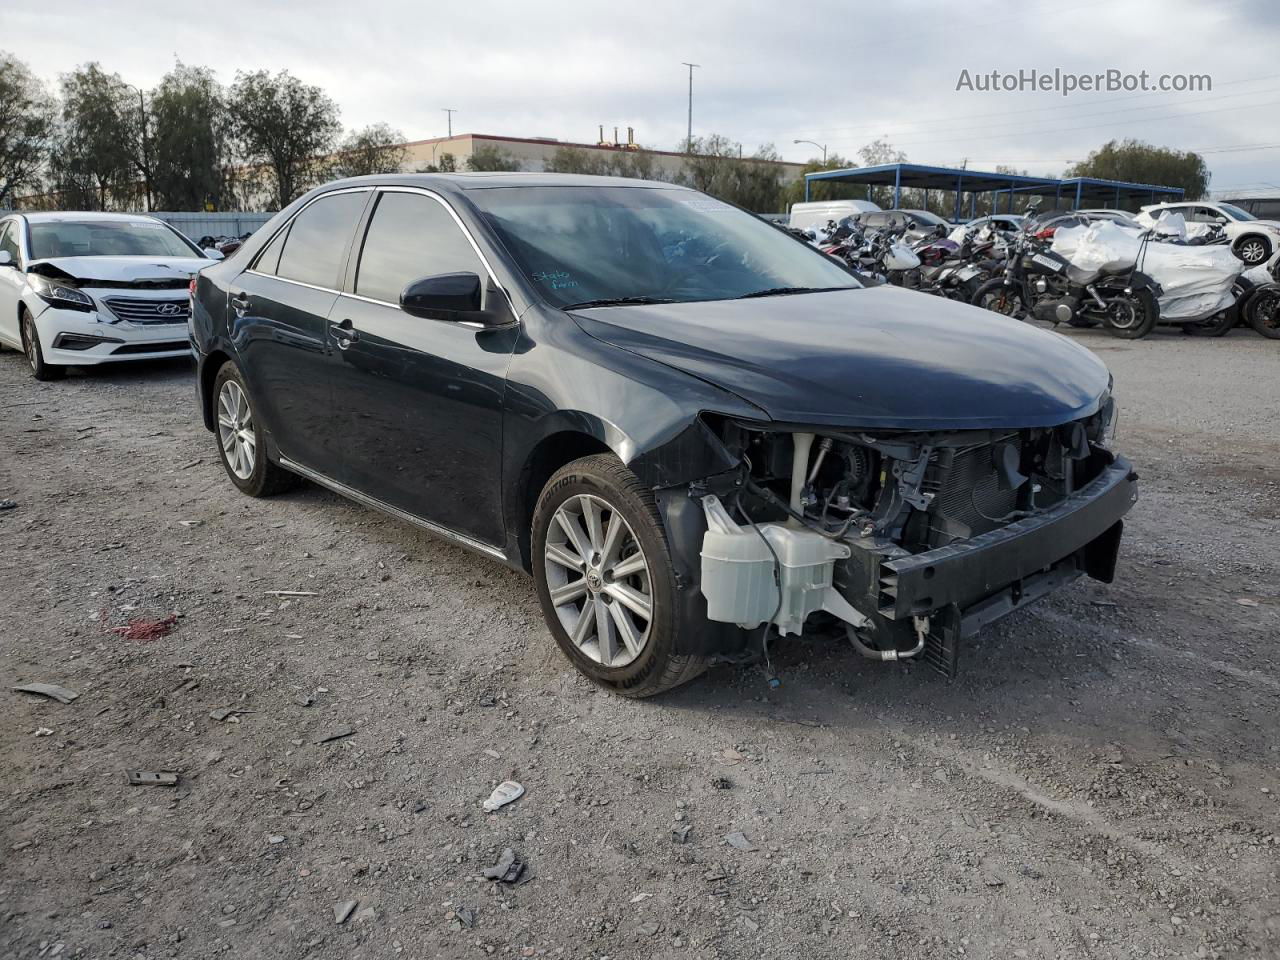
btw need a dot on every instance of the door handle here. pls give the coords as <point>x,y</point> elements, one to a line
<point>344,333</point>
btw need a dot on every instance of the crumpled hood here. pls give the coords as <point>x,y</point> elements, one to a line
<point>881,357</point>
<point>120,269</point>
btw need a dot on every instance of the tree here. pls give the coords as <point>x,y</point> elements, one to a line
<point>485,157</point>
<point>715,165</point>
<point>375,149</point>
<point>878,153</point>
<point>286,126</point>
<point>27,116</point>
<point>603,163</point>
<point>91,161</point>
<point>190,140</point>
<point>1136,162</point>
<point>822,189</point>
<point>447,163</point>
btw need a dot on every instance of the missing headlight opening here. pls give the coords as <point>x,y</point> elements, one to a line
<point>908,542</point>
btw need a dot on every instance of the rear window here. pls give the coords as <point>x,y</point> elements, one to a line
<point>313,251</point>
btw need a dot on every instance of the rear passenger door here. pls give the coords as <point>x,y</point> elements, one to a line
<point>417,404</point>
<point>279,323</point>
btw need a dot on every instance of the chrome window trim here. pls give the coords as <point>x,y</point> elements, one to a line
<point>461,539</point>
<point>493,277</point>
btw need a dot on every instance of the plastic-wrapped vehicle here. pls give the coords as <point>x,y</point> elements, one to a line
<point>692,428</point>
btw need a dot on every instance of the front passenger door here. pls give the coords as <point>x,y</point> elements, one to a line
<point>417,403</point>
<point>12,280</point>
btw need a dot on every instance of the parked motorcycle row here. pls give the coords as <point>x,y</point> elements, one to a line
<point>1088,276</point>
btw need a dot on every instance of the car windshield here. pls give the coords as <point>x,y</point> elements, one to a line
<point>1235,213</point>
<point>107,238</point>
<point>587,245</point>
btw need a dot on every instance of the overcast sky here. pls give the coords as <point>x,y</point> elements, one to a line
<point>838,73</point>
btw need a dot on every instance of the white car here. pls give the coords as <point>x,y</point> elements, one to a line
<point>1251,239</point>
<point>78,289</point>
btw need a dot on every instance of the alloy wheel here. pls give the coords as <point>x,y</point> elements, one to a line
<point>1253,252</point>
<point>236,430</point>
<point>29,342</point>
<point>598,579</point>
<point>1001,302</point>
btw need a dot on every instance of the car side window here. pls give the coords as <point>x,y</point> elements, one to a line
<point>269,258</point>
<point>9,240</point>
<point>411,236</point>
<point>317,239</point>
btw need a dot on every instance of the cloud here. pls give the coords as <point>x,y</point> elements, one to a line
<point>835,72</point>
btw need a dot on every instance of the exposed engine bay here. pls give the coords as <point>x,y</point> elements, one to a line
<point>909,540</point>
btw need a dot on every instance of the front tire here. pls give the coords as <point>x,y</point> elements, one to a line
<point>1252,249</point>
<point>241,443</point>
<point>605,580</point>
<point>35,353</point>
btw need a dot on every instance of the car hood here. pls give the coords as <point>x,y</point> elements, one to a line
<point>880,357</point>
<point>115,270</point>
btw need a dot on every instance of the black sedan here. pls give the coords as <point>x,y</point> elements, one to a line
<point>694,430</point>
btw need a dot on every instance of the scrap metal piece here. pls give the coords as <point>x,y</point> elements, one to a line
<point>150,778</point>
<point>50,690</point>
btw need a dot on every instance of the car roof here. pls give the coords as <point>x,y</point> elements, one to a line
<point>83,216</point>
<point>487,180</point>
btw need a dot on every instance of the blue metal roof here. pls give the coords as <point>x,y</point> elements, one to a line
<point>1083,191</point>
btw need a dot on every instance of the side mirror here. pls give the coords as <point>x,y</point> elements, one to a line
<point>6,259</point>
<point>447,296</point>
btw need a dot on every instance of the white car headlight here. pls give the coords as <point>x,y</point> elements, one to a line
<point>59,295</point>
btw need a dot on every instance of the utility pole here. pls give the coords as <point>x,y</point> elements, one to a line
<point>688,142</point>
<point>450,111</point>
<point>146,161</point>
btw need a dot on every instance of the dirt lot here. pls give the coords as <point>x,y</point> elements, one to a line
<point>1102,780</point>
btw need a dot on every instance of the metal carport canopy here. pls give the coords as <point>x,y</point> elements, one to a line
<point>1090,192</point>
<point>921,177</point>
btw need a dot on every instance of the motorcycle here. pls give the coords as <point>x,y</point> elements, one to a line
<point>1262,310</point>
<point>1042,285</point>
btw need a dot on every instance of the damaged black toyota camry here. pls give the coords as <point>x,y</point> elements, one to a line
<point>695,431</point>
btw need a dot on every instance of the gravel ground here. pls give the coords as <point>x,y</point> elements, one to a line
<point>1101,781</point>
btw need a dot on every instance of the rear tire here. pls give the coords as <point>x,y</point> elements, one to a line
<point>241,439</point>
<point>998,297</point>
<point>1141,322</point>
<point>577,546</point>
<point>35,352</point>
<point>1263,311</point>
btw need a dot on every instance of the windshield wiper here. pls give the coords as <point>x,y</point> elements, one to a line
<point>614,302</point>
<point>782,291</point>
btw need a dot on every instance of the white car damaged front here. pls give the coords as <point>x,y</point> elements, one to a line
<point>86,310</point>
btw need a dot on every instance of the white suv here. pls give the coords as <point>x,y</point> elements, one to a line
<point>1251,239</point>
<point>78,289</point>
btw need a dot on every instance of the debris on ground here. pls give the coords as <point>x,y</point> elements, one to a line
<point>738,840</point>
<point>508,868</point>
<point>229,714</point>
<point>8,505</point>
<point>1247,602</point>
<point>152,778</point>
<point>143,629</point>
<point>50,690</point>
<point>44,731</point>
<point>506,792</point>
<point>721,783</point>
<point>343,909</point>
<point>730,756</point>
<point>191,523</point>
<point>292,593</point>
<point>680,834</point>
<point>338,734</point>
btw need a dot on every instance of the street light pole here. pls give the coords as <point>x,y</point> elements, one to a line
<point>450,111</point>
<point>146,160</point>
<point>820,146</point>
<point>688,141</point>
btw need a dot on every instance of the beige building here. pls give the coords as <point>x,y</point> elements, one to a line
<point>533,153</point>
